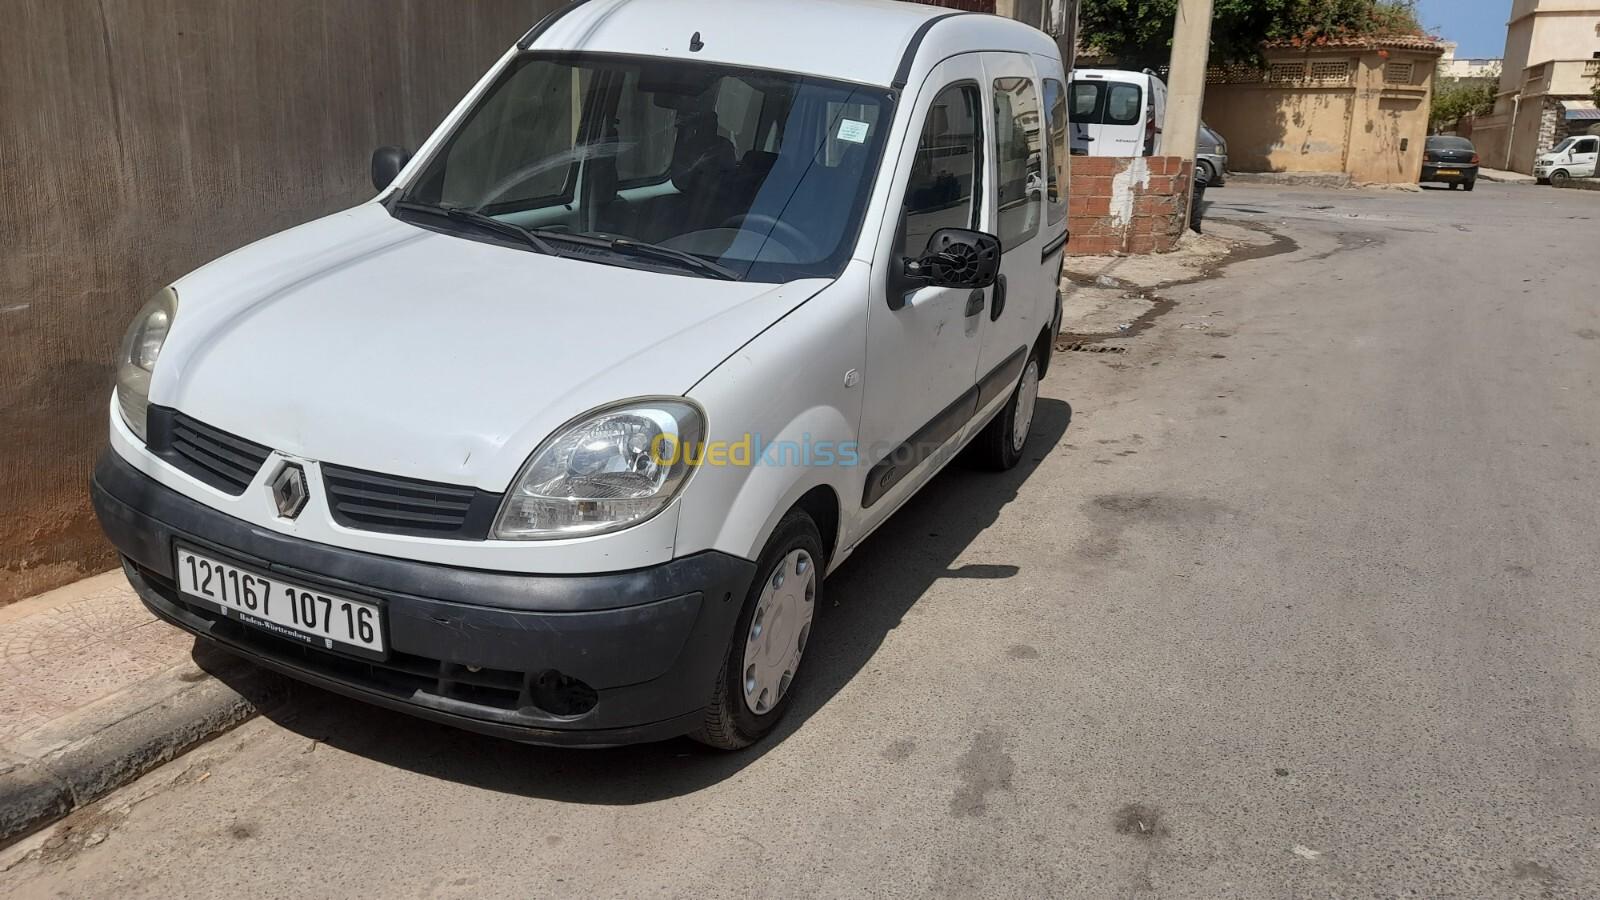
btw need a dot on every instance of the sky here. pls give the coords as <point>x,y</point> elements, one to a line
<point>1479,26</point>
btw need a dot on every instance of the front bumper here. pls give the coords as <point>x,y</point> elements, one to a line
<point>1219,164</point>
<point>473,649</point>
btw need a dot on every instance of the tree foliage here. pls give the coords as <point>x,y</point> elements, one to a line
<point>1139,32</point>
<point>1454,99</point>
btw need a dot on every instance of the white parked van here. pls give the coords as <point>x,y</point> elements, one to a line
<point>1575,157</point>
<point>1116,112</point>
<point>557,437</point>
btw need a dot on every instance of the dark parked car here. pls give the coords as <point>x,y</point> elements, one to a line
<point>1450,160</point>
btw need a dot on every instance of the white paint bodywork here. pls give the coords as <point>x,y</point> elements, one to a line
<point>363,341</point>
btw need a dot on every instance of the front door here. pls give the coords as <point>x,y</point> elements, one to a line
<point>1585,154</point>
<point>923,345</point>
<point>1024,295</point>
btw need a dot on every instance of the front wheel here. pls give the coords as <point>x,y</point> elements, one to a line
<point>757,679</point>
<point>1560,178</point>
<point>999,446</point>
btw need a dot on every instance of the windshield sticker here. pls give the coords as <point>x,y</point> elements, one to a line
<point>853,131</point>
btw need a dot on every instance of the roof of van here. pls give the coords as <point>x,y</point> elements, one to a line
<point>863,41</point>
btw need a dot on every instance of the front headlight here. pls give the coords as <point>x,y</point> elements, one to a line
<point>612,468</point>
<point>136,360</point>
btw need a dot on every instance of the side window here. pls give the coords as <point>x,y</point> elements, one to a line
<point>1588,146</point>
<point>944,172</point>
<point>739,111</point>
<point>1055,104</point>
<point>1017,159</point>
<point>645,155</point>
<point>1122,104</point>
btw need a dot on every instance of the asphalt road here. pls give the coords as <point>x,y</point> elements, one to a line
<point>1301,602</point>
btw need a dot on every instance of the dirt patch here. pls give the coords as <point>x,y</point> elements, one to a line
<point>1141,821</point>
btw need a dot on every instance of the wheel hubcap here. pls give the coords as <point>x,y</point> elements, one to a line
<point>1027,396</point>
<point>779,631</point>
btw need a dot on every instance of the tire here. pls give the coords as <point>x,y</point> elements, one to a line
<point>731,722</point>
<point>1469,185</point>
<point>1560,177</point>
<point>1210,171</point>
<point>999,446</point>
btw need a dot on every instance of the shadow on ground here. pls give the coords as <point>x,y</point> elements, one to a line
<point>865,600</point>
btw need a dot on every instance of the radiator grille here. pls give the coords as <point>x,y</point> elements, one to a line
<point>373,502</point>
<point>222,460</point>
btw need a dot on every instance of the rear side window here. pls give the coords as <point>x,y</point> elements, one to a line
<point>1055,104</point>
<point>1017,159</point>
<point>944,172</point>
<point>1123,102</point>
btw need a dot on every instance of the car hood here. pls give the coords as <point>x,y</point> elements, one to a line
<point>371,343</point>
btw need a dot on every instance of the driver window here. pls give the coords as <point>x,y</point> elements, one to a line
<point>1588,146</point>
<point>944,172</point>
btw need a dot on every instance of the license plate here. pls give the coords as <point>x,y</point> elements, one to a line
<point>1449,171</point>
<point>290,610</point>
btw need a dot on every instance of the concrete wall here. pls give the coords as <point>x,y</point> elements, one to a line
<point>1369,122</point>
<point>142,138</point>
<point>1281,128</point>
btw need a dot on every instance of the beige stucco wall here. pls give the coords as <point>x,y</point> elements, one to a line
<point>1272,128</point>
<point>1358,126</point>
<point>143,138</point>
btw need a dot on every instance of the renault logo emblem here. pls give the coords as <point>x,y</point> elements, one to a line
<point>289,490</point>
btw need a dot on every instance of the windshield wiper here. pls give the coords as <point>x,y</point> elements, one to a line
<point>490,223</point>
<point>699,264</point>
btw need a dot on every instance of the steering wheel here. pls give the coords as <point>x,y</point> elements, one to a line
<point>786,233</point>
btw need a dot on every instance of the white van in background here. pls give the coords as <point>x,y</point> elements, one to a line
<point>1575,157</point>
<point>1115,112</point>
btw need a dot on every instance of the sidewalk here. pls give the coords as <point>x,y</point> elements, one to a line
<point>94,691</point>
<point>1505,177</point>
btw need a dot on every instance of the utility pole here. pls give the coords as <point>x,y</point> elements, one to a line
<point>1186,83</point>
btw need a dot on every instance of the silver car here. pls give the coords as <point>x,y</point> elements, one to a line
<point>1211,156</point>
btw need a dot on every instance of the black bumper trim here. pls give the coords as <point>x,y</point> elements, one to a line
<point>653,662</point>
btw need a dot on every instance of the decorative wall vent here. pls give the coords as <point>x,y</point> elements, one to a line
<point>1287,70</point>
<point>1330,71</point>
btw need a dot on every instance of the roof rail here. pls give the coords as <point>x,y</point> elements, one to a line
<point>545,24</point>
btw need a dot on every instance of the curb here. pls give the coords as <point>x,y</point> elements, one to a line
<point>1583,184</point>
<point>1293,179</point>
<point>1506,177</point>
<point>82,756</point>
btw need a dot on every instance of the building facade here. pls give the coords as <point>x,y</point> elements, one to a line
<point>1452,66</point>
<point>1552,62</point>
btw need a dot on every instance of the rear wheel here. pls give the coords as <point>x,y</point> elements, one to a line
<point>999,446</point>
<point>753,690</point>
<point>1469,185</point>
<point>1560,177</point>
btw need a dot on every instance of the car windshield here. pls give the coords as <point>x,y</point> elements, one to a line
<point>1449,143</point>
<point>1564,146</point>
<point>764,175</point>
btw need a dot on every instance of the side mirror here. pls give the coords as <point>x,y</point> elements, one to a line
<point>955,258</point>
<point>386,165</point>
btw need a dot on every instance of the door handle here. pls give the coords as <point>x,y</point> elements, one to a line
<point>999,298</point>
<point>974,303</point>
